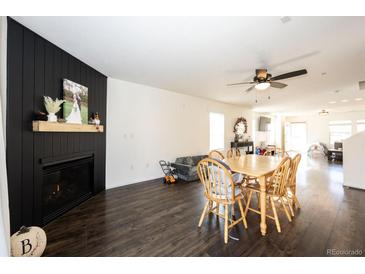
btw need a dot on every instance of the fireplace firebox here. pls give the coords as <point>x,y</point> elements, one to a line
<point>65,185</point>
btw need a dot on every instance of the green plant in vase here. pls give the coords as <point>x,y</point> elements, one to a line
<point>52,107</point>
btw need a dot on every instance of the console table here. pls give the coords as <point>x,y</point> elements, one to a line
<point>247,146</point>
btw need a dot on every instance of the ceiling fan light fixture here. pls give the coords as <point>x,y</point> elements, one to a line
<point>262,86</point>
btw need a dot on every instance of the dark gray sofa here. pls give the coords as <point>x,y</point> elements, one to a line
<point>185,167</point>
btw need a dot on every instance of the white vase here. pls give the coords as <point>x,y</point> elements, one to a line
<point>52,117</point>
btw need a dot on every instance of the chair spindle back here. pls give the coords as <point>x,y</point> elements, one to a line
<point>233,152</point>
<point>217,181</point>
<point>293,170</point>
<point>216,154</point>
<point>279,179</point>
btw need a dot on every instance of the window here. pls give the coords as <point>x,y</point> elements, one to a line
<point>216,128</point>
<point>339,130</point>
<point>360,125</point>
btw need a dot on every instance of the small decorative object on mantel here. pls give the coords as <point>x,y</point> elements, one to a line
<point>94,119</point>
<point>91,119</point>
<point>97,120</point>
<point>52,107</point>
<point>40,116</point>
<point>28,242</point>
<point>240,128</point>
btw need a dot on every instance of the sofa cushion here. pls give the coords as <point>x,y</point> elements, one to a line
<point>196,160</point>
<point>180,160</point>
<point>189,161</point>
<point>193,170</point>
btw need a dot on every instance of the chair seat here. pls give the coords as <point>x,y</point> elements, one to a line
<point>237,194</point>
<point>237,178</point>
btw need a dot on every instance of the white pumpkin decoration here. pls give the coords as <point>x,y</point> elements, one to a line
<point>28,242</point>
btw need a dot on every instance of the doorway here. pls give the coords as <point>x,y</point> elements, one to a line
<point>296,136</point>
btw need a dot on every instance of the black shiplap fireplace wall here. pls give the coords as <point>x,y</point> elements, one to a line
<point>36,67</point>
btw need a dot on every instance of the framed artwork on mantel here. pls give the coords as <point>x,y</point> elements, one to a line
<point>75,108</point>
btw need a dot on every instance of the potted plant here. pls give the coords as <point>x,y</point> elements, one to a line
<point>52,107</point>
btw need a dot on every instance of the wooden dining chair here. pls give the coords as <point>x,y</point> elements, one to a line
<point>216,154</point>
<point>267,153</point>
<point>219,189</point>
<point>233,152</point>
<point>276,191</point>
<point>292,181</point>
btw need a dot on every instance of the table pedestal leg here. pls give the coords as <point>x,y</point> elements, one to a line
<point>263,225</point>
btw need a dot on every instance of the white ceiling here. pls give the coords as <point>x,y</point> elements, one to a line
<point>200,55</point>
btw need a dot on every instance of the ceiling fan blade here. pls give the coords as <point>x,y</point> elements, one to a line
<point>277,85</point>
<point>249,89</point>
<point>242,83</point>
<point>289,75</point>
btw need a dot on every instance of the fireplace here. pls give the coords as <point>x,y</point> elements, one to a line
<point>65,185</point>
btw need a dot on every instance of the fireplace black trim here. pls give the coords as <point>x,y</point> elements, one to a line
<point>61,164</point>
<point>45,163</point>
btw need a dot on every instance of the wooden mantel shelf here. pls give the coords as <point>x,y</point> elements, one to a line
<point>43,126</point>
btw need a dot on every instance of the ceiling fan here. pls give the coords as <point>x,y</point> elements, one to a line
<point>264,80</point>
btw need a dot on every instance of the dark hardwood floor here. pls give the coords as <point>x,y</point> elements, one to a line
<point>152,219</point>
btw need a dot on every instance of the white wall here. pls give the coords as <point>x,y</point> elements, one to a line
<point>317,126</point>
<point>147,124</point>
<point>4,204</point>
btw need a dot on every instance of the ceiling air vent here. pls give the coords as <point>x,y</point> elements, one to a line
<point>362,85</point>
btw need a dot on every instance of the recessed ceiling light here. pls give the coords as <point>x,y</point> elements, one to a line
<point>323,112</point>
<point>332,102</point>
<point>359,99</point>
<point>344,101</point>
